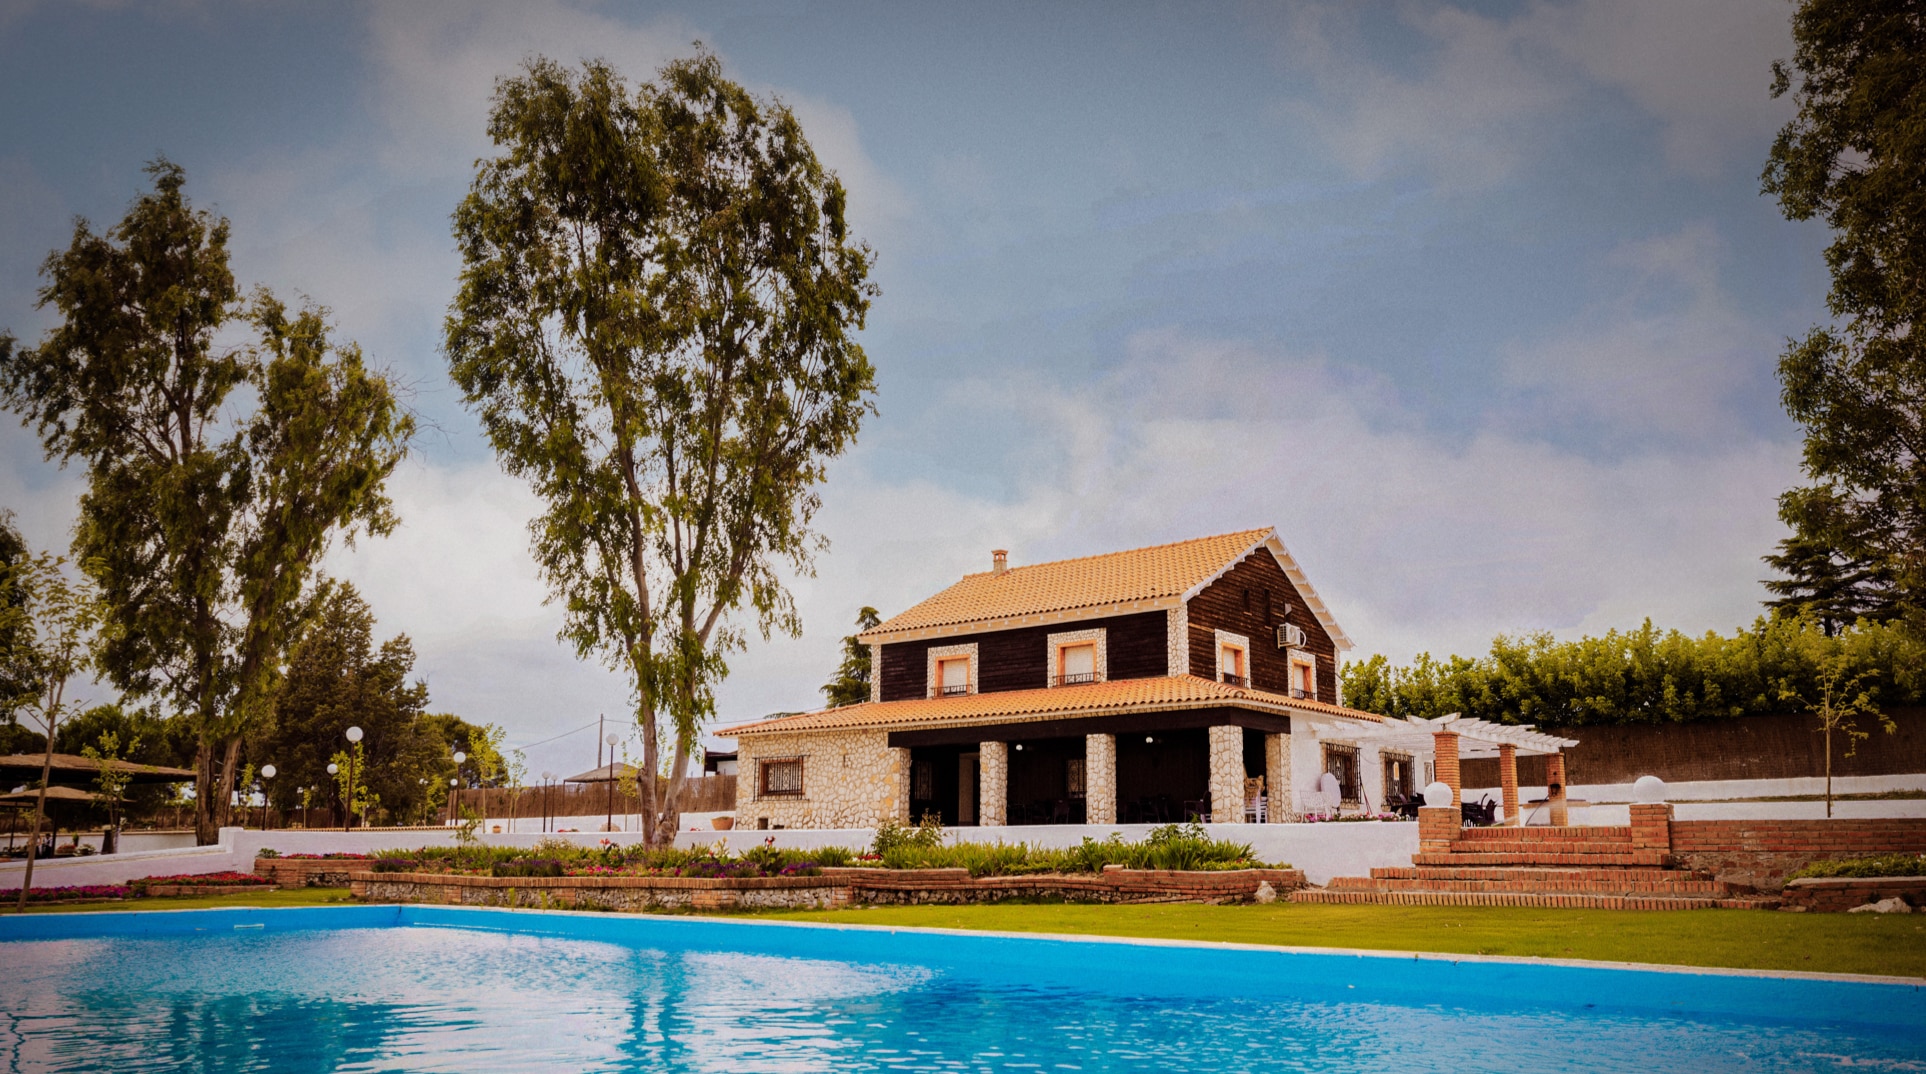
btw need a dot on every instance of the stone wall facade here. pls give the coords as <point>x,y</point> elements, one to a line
<point>1277,778</point>
<point>851,779</point>
<point>993,784</point>
<point>1100,778</point>
<point>1227,774</point>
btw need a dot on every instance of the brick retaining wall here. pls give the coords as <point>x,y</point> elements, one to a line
<point>1762,853</point>
<point>309,872</point>
<point>1839,894</point>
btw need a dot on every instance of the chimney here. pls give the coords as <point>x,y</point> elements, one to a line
<point>999,560</point>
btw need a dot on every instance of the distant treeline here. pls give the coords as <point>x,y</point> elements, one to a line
<point>1646,675</point>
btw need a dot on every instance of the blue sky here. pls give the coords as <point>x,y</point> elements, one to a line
<point>1478,304</point>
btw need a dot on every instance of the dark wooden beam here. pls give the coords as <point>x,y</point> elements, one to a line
<point>1131,723</point>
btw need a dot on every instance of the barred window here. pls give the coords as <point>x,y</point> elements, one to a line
<point>1344,763</point>
<point>784,777</point>
<point>923,781</point>
<point>1074,777</point>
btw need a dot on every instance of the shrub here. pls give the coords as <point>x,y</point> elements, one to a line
<point>531,867</point>
<point>200,880</point>
<point>69,893</point>
<point>1883,865</point>
<point>394,865</point>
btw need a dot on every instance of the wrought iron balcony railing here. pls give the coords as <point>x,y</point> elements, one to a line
<point>952,691</point>
<point>1077,678</point>
<point>1234,680</point>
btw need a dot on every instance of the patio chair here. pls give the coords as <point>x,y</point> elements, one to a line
<point>1254,800</point>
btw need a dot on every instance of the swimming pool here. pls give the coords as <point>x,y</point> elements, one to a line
<point>373,988</point>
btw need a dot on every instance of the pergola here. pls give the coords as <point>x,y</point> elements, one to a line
<point>1454,738</point>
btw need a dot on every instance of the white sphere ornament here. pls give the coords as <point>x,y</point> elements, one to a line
<point>1438,794</point>
<point>267,771</point>
<point>460,757</point>
<point>333,768</point>
<point>354,734</point>
<point>1648,790</point>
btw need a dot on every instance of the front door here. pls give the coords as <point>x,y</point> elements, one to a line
<point>968,768</point>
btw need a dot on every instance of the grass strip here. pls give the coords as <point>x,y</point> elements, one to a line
<point>1887,944</point>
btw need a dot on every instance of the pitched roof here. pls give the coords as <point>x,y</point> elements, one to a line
<point>1169,693</point>
<point>1139,579</point>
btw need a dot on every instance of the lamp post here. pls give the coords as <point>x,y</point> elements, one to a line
<point>453,814</point>
<point>354,739</point>
<point>423,784</point>
<point>267,773</point>
<point>547,779</point>
<point>334,769</point>
<point>609,824</point>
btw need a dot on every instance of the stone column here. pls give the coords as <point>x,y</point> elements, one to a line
<point>1508,781</point>
<point>1277,777</point>
<point>896,802</point>
<point>1555,789</point>
<point>1100,779</point>
<point>1447,753</point>
<point>993,786</point>
<point>1227,774</point>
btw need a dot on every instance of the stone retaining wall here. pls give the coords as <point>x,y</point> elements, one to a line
<point>834,888</point>
<point>1839,894</point>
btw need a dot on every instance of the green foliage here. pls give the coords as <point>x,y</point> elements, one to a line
<point>1644,675</point>
<point>202,519</point>
<point>851,684</point>
<point>19,679</point>
<point>1170,846</point>
<point>1855,156</point>
<point>655,324</point>
<point>1881,865</point>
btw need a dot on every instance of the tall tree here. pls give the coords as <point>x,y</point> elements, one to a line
<point>338,677</point>
<point>1822,579</point>
<point>655,323</point>
<point>201,519</point>
<point>18,680</point>
<point>851,684</point>
<point>1855,156</point>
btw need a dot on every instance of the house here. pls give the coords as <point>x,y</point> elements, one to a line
<point>1143,686</point>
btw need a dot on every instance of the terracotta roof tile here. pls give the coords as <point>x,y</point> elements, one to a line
<point>1016,706</point>
<point>1166,570</point>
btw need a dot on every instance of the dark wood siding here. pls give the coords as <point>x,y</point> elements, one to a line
<point>1020,660</point>
<point>1223,606</point>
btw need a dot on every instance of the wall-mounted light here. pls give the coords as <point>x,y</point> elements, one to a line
<point>1019,747</point>
<point>1149,739</point>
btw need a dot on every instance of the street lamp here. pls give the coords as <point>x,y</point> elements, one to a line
<point>609,824</point>
<point>267,772</point>
<point>423,783</point>
<point>459,758</point>
<point>335,785</point>
<point>547,779</point>
<point>354,739</point>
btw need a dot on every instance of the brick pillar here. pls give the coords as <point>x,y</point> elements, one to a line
<point>1555,789</point>
<point>1508,781</point>
<point>993,788</point>
<point>1277,777</point>
<point>1447,753</point>
<point>1437,827</point>
<point>896,803</point>
<point>1100,779</point>
<point>1227,774</point>
<point>1652,826</point>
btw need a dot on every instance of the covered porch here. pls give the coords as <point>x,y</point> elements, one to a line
<point>1454,738</point>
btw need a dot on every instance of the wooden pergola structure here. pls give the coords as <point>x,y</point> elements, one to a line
<point>1454,738</point>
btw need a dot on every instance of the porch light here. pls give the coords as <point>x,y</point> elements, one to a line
<point>1149,739</point>
<point>1019,747</point>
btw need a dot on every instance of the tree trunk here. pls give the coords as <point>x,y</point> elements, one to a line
<point>206,831</point>
<point>39,810</point>
<point>672,801</point>
<point>1829,772</point>
<point>230,761</point>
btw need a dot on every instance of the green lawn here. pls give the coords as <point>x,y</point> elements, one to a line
<point>283,897</point>
<point>1893,944</point>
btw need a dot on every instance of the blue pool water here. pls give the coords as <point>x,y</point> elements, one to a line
<point>447,989</point>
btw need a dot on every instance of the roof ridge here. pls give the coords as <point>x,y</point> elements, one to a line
<point>1125,551</point>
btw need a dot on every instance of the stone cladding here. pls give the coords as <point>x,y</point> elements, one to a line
<point>1100,779</point>
<point>993,784</point>
<point>1177,641</point>
<point>1227,774</point>
<point>1100,652</point>
<point>851,779</point>
<point>1277,778</point>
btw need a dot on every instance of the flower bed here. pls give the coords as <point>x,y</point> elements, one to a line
<point>229,883</point>
<point>309,870</point>
<point>71,893</point>
<point>1882,865</point>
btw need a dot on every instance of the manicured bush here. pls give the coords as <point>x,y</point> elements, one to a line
<point>1883,865</point>
<point>199,880</point>
<point>547,867</point>
<point>70,893</point>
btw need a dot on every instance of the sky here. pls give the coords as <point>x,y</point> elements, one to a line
<point>1479,305</point>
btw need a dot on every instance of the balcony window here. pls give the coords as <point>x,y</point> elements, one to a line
<point>1231,665</point>
<point>1076,664</point>
<point>953,676</point>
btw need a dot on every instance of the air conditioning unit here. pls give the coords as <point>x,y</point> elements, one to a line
<point>1289,636</point>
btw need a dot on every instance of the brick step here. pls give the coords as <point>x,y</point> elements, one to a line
<point>1547,859</point>
<point>1675,886</point>
<point>1563,846</point>
<point>1596,833</point>
<point>1628,873</point>
<point>1507,898</point>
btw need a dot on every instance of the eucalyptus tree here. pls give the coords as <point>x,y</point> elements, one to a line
<point>1854,156</point>
<point>202,517</point>
<point>656,325</point>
